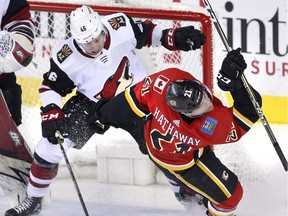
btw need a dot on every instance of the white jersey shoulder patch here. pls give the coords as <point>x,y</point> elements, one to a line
<point>68,58</point>
<point>119,27</point>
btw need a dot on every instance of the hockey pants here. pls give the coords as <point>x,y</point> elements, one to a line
<point>210,178</point>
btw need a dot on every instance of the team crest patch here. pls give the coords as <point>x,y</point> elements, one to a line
<point>64,53</point>
<point>209,126</point>
<point>117,22</point>
<point>160,84</point>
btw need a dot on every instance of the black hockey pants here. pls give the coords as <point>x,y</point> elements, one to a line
<point>208,177</point>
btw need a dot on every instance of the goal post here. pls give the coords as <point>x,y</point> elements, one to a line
<point>52,27</point>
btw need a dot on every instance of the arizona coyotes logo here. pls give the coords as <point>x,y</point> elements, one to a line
<point>117,22</point>
<point>232,134</point>
<point>118,82</point>
<point>64,53</point>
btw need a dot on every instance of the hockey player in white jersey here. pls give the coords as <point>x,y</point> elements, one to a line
<point>93,61</point>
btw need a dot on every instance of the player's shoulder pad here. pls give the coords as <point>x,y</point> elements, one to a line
<point>116,21</point>
<point>69,58</point>
<point>64,53</point>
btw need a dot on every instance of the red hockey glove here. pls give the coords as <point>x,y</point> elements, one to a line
<point>93,119</point>
<point>229,77</point>
<point>52,119</point>
<point>184,38</point>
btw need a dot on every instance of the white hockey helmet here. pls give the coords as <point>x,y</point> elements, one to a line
<point>85,24</point>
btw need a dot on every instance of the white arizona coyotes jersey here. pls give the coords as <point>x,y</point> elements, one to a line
<point>100,77</point>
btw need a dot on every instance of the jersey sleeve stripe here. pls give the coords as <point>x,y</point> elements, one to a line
<point>174,167</point>
<point>242,119</point>
<point>132,104</point>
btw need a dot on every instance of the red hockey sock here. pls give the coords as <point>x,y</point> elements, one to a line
<point>227,207</point>
<point>41,177</point>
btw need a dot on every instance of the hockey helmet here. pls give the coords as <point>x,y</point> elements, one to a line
<point>184,96</point>
<point>85,24</point>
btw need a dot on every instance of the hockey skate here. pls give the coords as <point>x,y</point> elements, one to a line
<point>30,206</point>
<point>188,198</point>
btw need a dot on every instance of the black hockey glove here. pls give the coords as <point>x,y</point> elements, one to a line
<point>233,66</point>
<point>184,38</point>
<point>52,120</point>
<point>93,119</point>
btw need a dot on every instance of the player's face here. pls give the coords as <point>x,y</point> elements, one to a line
<point>205,106</point>
<point>95,46</point>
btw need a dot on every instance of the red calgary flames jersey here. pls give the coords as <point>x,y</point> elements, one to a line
<point>171,141</point>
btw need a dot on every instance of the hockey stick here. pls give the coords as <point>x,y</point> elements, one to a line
<point>60,140</point>
<point>247,87</point>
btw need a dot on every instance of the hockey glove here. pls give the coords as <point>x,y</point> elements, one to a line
<point>52,120</point>
<point>184,38</point>
<point>93,119</point>
<point>233,66</point>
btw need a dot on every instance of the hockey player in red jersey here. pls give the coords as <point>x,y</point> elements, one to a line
<point>182,120</point>
<point>94,61</point>
<point>16,40</point>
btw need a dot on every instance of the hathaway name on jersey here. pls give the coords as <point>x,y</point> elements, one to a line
<point>170,129</point>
